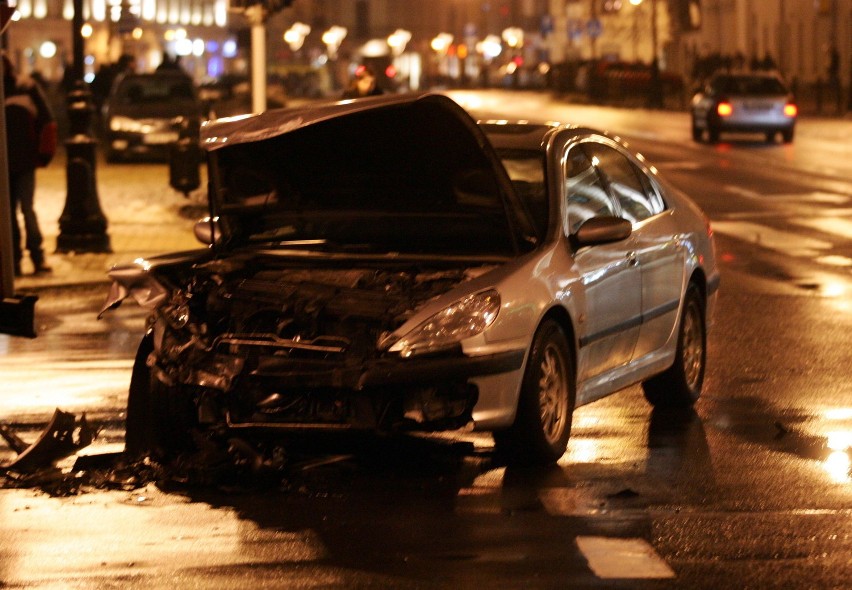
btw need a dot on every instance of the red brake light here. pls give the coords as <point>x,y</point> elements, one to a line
<point>791,110</point>
<point>725,109</point>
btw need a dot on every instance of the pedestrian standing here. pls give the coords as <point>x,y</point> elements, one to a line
<point>31,138</point>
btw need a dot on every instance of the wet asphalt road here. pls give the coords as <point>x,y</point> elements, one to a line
<point>752,490</point>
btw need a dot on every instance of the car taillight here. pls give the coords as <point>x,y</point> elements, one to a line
<point>725,109</point>
<point>791,110</point>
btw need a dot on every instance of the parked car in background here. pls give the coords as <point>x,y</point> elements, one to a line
<point>145,114</point>
<point>758,102</point>
<point>389,264</point>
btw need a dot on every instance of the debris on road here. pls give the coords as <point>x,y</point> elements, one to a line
<point>62,437</point>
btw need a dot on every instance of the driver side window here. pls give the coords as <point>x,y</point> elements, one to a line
<point>586,196</point>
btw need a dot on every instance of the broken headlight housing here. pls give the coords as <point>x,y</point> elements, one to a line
<point>463,319</point>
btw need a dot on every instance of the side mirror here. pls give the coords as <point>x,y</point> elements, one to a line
<point>602,230</point>
<point>208,231</point>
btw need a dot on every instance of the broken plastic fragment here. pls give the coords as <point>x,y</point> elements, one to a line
<point>56,442</point>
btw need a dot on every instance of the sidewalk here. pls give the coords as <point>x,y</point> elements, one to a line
<point>144,217</point>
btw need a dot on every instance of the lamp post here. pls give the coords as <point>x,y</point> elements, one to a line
<point>82,225</point>
<point>655,85</point>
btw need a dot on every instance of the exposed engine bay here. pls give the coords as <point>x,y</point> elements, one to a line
<point>297,347</point>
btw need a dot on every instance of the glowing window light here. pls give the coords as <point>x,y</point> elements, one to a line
<point>229,48</point>
<point>25,8</point>
<point>99,10</point>
<point>185,12</point>
<point>174,12</point>
<point>162,12</point>
<point>195,15</point>
<point>40,8</point>
<point>149,9</point>
<point>137,33</point>
<point>86,30</point>
<point>68,9</point>
<point>207,19</point>
<point>221,13</point>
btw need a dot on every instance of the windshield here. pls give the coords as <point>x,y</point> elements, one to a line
<point>137,90</point>
<point>749,86</point>
<point>526,171</point>
<point>386,188</point>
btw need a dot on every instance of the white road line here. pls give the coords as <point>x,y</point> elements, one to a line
<point>828,225</point>
<point>612,558</point>
<point>781,241</point>
<point>812,197</point>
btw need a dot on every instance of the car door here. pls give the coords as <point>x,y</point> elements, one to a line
<point>656,243</point>
<point>609,324</point>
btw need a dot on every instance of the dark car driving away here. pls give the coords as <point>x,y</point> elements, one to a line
<point>144,114</point>
<point>757,102</point>
<point>388,264</point>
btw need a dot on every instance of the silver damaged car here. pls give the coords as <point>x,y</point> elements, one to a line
<point>390,264</point>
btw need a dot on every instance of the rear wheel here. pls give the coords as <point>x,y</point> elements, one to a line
<point>680,385</point>
<point>542,425</point>
<point>713,134</point>
<point>697,133</point>
<point>787,135</point>
<point>770,136</point>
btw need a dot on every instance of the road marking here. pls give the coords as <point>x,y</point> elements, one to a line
<point>766,237</point>
<point>811,197</point>
<point>612,558</point>
<point>828,225</point>
<point>684,165</point>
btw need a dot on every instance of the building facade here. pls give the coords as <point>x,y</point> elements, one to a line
<point>446,41</point>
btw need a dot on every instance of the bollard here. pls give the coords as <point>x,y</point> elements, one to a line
<point>82,225</point>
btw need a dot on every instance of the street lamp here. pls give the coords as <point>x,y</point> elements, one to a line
<point>398,40</point>
<point>82,225</point>
<point>333,38</point>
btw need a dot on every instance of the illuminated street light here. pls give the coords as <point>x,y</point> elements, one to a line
<point>442,42</point>
<point>333,39</point>
<point>398,40</point>
<point>490,47</point>
<point>514,37</point>
<point>295,35</point>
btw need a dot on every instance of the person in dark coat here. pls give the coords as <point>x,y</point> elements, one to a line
<point>31,142</point>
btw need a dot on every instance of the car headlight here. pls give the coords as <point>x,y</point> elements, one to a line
<point>463,319</point>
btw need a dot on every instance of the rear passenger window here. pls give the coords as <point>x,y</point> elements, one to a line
<point>637,199</point>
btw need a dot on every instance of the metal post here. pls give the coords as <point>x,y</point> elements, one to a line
<point>82,225</point>
<point>17,313</point>
<point>256,14</point>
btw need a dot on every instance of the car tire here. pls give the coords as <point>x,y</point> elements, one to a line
<point>787,135</point>
<point>770,136</point>
<point>712,134</point>
<point>697,133</point>
<point>160,417</point>
<point>680,385</point>
<point>542,426</point>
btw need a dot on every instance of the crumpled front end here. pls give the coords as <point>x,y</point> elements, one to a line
<point>297,348</point>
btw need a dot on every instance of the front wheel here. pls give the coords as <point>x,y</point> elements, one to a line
<point>542,424</point>
<point>160,418</point>
<point>680,385</point>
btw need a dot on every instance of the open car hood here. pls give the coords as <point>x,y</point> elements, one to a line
<point>393,156</point>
